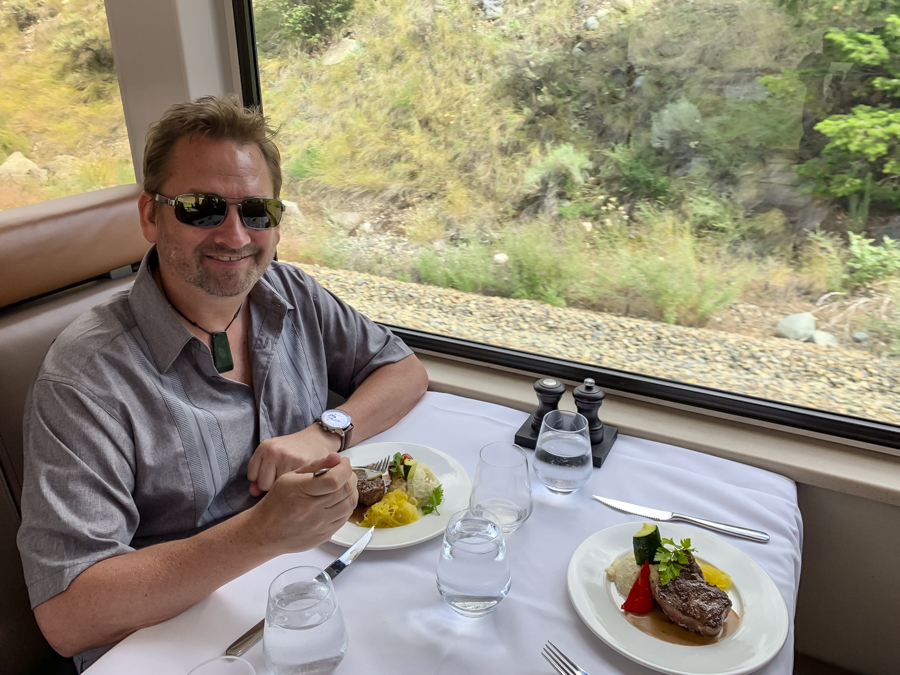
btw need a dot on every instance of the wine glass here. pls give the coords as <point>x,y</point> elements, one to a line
<point>502,484</point>
<point>562,456</point>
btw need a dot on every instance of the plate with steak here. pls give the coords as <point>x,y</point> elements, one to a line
<point>694,627</point>
<point>450,473</point>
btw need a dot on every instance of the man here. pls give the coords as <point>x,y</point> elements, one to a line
<point>159,418</point>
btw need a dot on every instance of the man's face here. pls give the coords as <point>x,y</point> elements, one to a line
<point>223,261</point>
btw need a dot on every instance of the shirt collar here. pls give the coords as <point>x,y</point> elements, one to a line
<point>166,336</point>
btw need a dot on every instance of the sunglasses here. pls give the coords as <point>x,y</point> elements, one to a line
<point>203,210</point>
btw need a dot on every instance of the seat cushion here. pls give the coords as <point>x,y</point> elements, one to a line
<point>54,244</point>
<point>26,332</point>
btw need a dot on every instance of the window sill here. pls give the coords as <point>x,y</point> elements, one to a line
<point>857,469</point>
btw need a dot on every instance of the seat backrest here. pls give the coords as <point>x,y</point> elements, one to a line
<point>71,244</point>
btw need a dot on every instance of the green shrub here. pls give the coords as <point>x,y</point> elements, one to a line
<point>543,265</point>
<point>685,285</point>
<point>10,141</point>
<point>869,263</point>
<point>560,172</point>
<point>677,124</point>
<point>886,327</point>
<point>823,256</point>
<point>465,268</point>
<point>23,13</point>
<point>307,165</point>
<point>635,168</point>
<point>84,40</point>
<point>312,21</point>
<point>539,265</point>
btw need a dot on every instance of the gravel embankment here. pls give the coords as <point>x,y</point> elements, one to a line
<point>835,379</point>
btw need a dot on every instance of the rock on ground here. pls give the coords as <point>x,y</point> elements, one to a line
<point>18,165</point>
<point>797,326</point>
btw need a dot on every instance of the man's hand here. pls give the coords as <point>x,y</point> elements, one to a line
<point>302,511</point>
<point>283,454</point>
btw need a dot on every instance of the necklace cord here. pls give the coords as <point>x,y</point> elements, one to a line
<point>194,323</point>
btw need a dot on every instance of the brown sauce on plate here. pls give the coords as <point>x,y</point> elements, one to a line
<point>657,624</point>
<point>358,514</point>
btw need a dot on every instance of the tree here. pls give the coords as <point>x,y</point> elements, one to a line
<point>862,158</point>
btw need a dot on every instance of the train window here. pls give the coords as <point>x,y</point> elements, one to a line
<point>696,195</point>
<point>62,128</point>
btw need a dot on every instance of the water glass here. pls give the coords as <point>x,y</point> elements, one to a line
<point>305,632</point>
<point>562,457</point>
<point>224,665</point>
<point>502,484</point>
<point>473,572</point>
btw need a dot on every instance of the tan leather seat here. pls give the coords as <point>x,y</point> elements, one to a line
<point>49,246</point>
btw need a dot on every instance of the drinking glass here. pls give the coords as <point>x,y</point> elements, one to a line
<point>305,632</point>
<point>224,665</point>
<point>502,484</point>
<point>562,457</point>
<point>473,572</point>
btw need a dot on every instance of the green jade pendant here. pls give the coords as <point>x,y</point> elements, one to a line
<point>221,352</point>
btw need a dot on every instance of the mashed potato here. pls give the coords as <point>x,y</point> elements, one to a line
<point>624,572</point>
<point>423,481</point>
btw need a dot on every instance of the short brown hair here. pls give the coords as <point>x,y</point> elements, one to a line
<point>219,118</point>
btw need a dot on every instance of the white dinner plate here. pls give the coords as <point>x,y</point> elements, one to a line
<point>755,597</point>
<point>452,475</point>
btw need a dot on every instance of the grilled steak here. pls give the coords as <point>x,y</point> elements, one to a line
<point>692,603</point>
<point>370,491</point>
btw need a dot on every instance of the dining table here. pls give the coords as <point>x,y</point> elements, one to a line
<point>396,619</point>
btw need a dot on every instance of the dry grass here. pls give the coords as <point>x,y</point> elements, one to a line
<point>47,110</point>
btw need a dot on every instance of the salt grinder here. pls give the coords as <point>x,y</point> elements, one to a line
<point>548,391</point>
<point>588,399</point>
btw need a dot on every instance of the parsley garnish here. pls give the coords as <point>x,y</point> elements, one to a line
<point>434,499</point>
<point>670,562</point>
<point>396,465</point>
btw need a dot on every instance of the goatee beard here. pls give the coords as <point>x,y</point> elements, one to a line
<point>225,284</point>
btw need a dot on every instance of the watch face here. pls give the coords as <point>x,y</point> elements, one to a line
<point>336,418</point>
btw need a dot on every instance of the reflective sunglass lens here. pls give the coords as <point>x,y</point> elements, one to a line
<point>200,210</point>
<point>260,214</point>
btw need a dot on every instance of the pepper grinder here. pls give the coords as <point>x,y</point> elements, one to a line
<point>588,399</point>
<point>549,391</point>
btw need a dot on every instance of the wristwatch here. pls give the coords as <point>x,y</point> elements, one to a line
<point>338,422</point>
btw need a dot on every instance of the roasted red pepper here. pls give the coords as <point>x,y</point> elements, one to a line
<point>640,598</point>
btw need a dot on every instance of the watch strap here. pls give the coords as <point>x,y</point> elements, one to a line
<point>345,437</point>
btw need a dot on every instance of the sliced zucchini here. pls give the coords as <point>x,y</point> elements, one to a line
<point>646,541</point>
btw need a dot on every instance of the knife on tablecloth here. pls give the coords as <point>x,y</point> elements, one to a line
<point>655,514</point>
<point>252,636</point>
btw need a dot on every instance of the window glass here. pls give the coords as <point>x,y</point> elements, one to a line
<point>62,129</point>
<point>697,190</point>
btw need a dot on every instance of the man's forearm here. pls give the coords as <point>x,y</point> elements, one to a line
<point>117,596</point>
<point>385,397</point>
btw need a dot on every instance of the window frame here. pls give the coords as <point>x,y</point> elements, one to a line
<point>699,397</point>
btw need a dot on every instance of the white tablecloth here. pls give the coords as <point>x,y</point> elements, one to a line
<point>395,616</point>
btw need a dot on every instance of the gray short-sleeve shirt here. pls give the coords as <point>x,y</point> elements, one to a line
<point>132,437</point>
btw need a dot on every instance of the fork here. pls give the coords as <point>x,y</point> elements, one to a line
<point>380,466</point>
<point>561,663</point>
